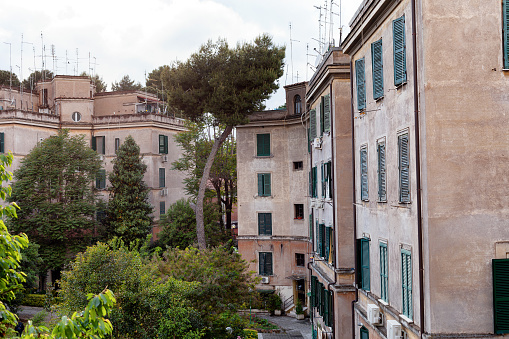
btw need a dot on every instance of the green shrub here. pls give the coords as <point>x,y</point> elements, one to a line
<point>250,334</point>
<point>34,300</point>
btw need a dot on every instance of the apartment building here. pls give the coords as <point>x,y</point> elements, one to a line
<point>430,82</point>
<point>106,119</point>
<point>273,231</point>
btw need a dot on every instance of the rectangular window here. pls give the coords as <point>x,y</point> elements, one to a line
<point>313,291</point>
<point>162,177</point>
<point>321,236</point>
<point>364,173</point>
<point>264,223</point>
<point>322,176</point>
<point>264,189</point>
<point>382,183</point>
<point>312,124</point>
<point>322,116</point>
<point>399,45</point>
<point>298,166</point>
<point>263,145</point>
<point>384,271</point>
<point>314,182</point>
<point>299,211</point>
<point>327,247</point>
<point>327,183</point>
<point>500,269</point>
<point>265,261</point>
<point>99,144</point>
<point>117,144</point>
<point>326,112</point>
<point>299,259</point>
<point>378,73</point>
<point>363,278</point>
<point>406,282</point>
<point>2,147</point>
<point>162,207</point>
<point>163,144</point>
<point>100,179</point>
<point>404,169</point>
<point>360,84</point>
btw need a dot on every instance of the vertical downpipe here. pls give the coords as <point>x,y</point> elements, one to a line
<point>333,195</point>
<point>354,200</point>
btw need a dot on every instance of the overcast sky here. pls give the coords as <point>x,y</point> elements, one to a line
<point>134,37</point>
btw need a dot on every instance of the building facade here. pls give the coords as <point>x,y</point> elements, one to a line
<point>105,119</point>
<point>431,148</point>
<point>273,231</point>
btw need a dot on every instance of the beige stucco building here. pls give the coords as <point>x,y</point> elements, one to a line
<point>431,147</point>
<point>106,119</point>
<point>273,227</point>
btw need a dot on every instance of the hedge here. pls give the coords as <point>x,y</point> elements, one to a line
<point>250,334</point>
<point>37,300</point>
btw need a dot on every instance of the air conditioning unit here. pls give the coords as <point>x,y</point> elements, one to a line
<point>164,158</point>
<point>374,315</point>
<point>317,143</point>
<point>163,192</point>
<point>101,157</point>
<point>319,204</point>
<point>393,330</point>
<point>265,280</point>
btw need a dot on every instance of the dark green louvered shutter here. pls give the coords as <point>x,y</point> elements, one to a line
<point>326,307</point>
<point>406,282</point>
<point>360,84</point>
<point>94,144</point>
<point>327,244</point>
<point>312,124</point>
<point>265,223</point>
<point>317,227</point>
<point>326,112</point>
<point>162,177</point>
<point>265,261</point>
<point>364,253</point>
<point>501,295</point>
<point>2,147</point>
<point>313,292</point>
<point>384,277</point>
<point>266,184</point>
<point>163,144</point>
<point>261,263</point>
<point>314,175</point>
<point>329,180</point>
<point>331,309</point>
<point>311,228</point>
<point>364,173</point>
<point>364,333</point>
<point>382,191</point>
<point>100,179</point>
<point>404,169</point>
<point>309,140</point>
<point>399,46</point>
<point>320,242</point>
<point>378,74</point>
<point>322,170</point>
<point>331,245</point>
<point>506,33</point>
<point>263,145</point>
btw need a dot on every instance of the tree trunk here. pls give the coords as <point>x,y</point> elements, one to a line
<point>200,227</point>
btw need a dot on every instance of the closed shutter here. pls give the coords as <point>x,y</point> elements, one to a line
<point>322,168</point>
<point>313,292</point>
<point>378,76</point>
<point>501,295</point>
<point>263,145</point>
<point>162,207</point>
<point>404,169</point>
<point>329,180</point>
<point>506,33</point>
<point>162,177</point>
<point>360,84</point>
<point>265,223</point>
<point>382,190</point>
<point>268,263</point>
<point>399,45</point>
<point>100,179</point>
<point>94,144</point>
<point>326,306</point>
<point>406,281</point>
<point>365,279</point>
<point>312,123</point>
<point>320,242</point>
<point>104,145</point>
<point>383,272</point>
<point>314,175</point>
<point>2,147</point>
<point>326,112</point>
<point>327,244</point>
<point>364,333</point>
<point>163,144</point>
<point>317,249</point>
<point>364,173</point>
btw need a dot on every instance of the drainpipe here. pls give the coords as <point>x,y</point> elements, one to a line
<point>354,201</point>
<point>418,168</point>
<point>333,205</point>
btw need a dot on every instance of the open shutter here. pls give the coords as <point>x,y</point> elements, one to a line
<point>404,169</point>
<point>501,295</point>
<point>313,292</point>
<point>94,144</point>
<point>382,194</point>
<point>312,123</point>
<point>406,281</point>
<point>378,76</point>
<point>364,173</point>
<point>260,184</point>
<point>327,244</point>
<point>268,263</point>
<point>399,45</point>
<point>365,282</point>
<point>261,224</point>
<point>322,169</point>
<point>266,184</point>
<point>326,112</point>
<point>165,144</point>
<point>261,263</point>
<point>2,147</point>
<point>317,249</point>
<point>104,145</point>
<point>360,84</point>
<point>314,183</point>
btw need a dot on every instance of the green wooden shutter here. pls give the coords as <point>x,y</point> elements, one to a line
<point>365,279</point>
<point>382,191</point>
<point>311,228</point>
<point>94,144</point>
<point>364,333</point>
<point>322,116</point>
<point>260,184</point>
<point>314,175</point>
<point>320,242</point>
<point>360,84</point>
<point>100,179</point>
<point>399,46</point>
<point>161,144</point>
<point>326,112</point>
<point>378,74</point>
<point>309,141</point>
<point>162,177</point>
<point>162,207</point>
<point>383,272</point>
<point>261,263</point>
<point>501,295</point>
<point>329,178</point>
<point>406,282</point>
<point>327,244</point>
<point>317,249</point>
<point>266,185</point>
<point>364,173</point>
<point>265,223</point>
<point>313,292</point>
<point>312,123</point>
<point>104,145</point>
<point>322,178</point>
<point>263,145</point>
<point>2,147</point>
<point>404,169</point>
<point>326,307</point>
<point>261,224</point>
<point>165,144</point>
<point>268,263</point>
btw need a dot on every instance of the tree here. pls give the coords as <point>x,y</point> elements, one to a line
<point>5,79</point>
<point>126,84</point>
<point>53,184</point>
<point>229,84</point>
<point>128,214</point>
<point>100,85</point>
<point>35,77</point>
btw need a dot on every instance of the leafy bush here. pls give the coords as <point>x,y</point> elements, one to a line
<point>250,334</point>
<point>34,300</point>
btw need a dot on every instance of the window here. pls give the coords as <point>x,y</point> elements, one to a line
<point>299,259</point>
<point>100,179</point>
<point>312,124</point>
<point>76,116</point>
<point>163,144</point>
<point>323,241</point>
<point>117,144</point>
<point>100,216</point>
<point>404,169</point>
<point>299,211</point>
<point>99,144</point>
<point>162,207</point>
<point>264,223</point>
<point>162,177</point>
<point>265,261</point>
<point>263,145</point>
<point>327,180</point>
<point>378,73</point>
<point>363,279</point>
<point>297,105</point>
<point>406,282</point>
<point>364,333</point>
<point>264,185</point>
<point>314,182</point>
<point>2,147</point>
<point>326,112</point>
<point>298,166</point>
<point>399,44</point>
<point>384,269</point>
<point>500,295</point>
<point>382,183</point>
<point>360,84</point>
<point>364,173</point>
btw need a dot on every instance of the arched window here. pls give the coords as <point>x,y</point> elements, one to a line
<point>297,105</point>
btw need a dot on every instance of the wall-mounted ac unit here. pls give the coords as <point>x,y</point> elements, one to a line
<point>163,192</point>
<point>317,143</point>
<point>393,329</point>
<point>164,158</point>
<point>101,157</point>
<point>319,204</point>
<point>265,280</point>
<point>374,315</point>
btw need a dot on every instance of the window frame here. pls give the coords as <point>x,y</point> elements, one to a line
<point>264,227</point>
<point>117,144</point>
<point>404,167</point>
<point>162,208</point>
<point>163,144</point>
<point>314,182</point>
<point>406,283</point>
<point>300,260</point>
<point>297,105</point>
<point>298,211</point>
<point>263,145</point>
<point>263,263</point>
<point>100,179</point>
<point>298,165</point>
<point>384,271</point>
<point>377,69</point>
<point>162,177</point>
<point>94,144</point>
<point>264,185</point>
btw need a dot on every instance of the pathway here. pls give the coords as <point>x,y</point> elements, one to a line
<point>294,328</point>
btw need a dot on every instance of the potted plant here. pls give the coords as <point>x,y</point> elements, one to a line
<point>275,304</point>
<point>298,310</point>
